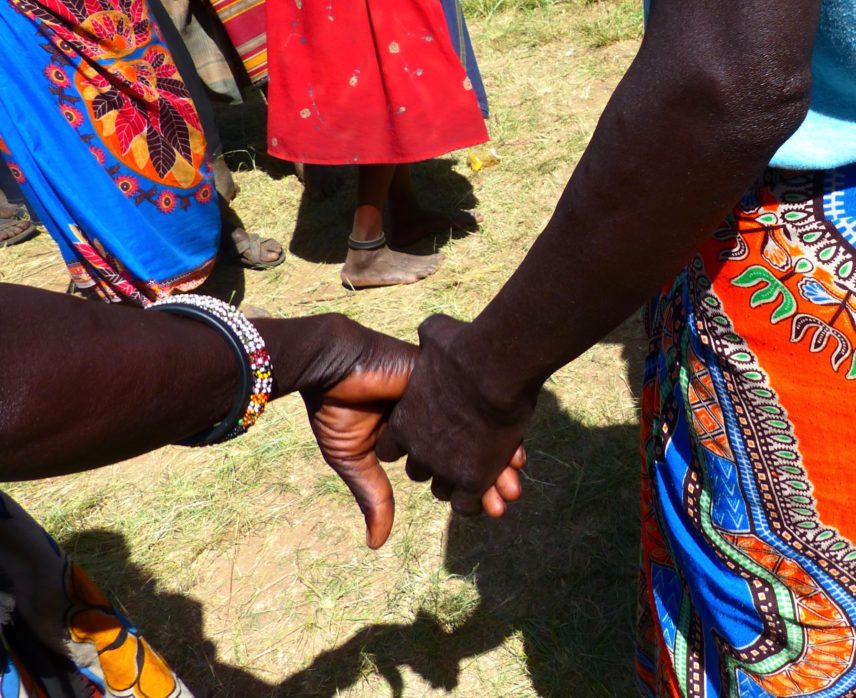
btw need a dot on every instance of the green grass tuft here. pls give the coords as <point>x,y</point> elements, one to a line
<point>615,21</point>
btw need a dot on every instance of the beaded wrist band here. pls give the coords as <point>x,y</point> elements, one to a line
<point>252,356</point>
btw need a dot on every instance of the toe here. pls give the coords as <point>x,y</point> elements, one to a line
<point>271,250</point>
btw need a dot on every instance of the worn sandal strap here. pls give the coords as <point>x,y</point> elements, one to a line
<point>249,251</point>
<point>375,244</point>
<point>252,244</point>
<point>242,246</point>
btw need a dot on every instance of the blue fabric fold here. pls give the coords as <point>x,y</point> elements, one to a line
<point>464,48</point>
<point>134,222</point>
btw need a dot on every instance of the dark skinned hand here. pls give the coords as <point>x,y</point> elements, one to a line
<point>451,434</point>
<point>348,417</point>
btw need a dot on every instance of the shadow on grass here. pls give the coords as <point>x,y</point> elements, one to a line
<point>323,225</point>
<point>559,572</point>
<point>326,208</point>
<point>226,281</point>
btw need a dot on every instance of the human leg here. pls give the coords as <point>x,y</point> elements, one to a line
<point>375,264</point>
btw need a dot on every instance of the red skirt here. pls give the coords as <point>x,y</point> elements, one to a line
<point>366,81</point>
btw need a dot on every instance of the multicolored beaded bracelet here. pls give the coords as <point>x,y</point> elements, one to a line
<point>252,356</point>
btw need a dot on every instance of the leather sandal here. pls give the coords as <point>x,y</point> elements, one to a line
<point>249,251</point>
<point>23,225</point>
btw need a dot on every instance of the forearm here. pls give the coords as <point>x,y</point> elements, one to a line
<point>87,384</point>
<point>677,146</point>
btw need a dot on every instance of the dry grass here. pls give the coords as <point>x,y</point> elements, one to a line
<point>245,563</point>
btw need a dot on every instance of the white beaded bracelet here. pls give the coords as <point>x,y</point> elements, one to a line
<point>253,358</point>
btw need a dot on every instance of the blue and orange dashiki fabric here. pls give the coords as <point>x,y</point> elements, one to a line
<point>748,584</point>
<point>100,131</point>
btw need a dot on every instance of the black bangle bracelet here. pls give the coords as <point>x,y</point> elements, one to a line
<point>221,428</point>
<point>253,359</point>
<point>375,244</point>
<point>256,372</point>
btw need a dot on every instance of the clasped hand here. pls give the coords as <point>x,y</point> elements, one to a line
<point>394,401</point>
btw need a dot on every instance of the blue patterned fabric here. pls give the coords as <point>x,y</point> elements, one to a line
<point>102,135</point>
<point>748,583</point>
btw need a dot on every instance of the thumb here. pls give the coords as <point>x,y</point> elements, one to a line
<point>370,486</point>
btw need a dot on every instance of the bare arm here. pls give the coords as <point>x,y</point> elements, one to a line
<point>85,384</point>
<point>715,89</point>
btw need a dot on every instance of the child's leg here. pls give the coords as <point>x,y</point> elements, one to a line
<point>372,192</point>
<point>370,262</point>
<point>410,222</point>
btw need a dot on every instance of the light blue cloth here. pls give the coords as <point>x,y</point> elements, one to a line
<point>827,137</point>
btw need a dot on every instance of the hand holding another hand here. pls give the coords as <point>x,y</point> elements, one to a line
<point>469,448</point>
<point>348,418</point>
<point>452,436</point>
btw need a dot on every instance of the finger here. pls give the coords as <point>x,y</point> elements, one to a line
<point>508,485</point>
<point>370,486</point>
<point>386,448</point>
<point>416,471</point>
<point>493,503</point>
<point>520,458</point>
<point>441,489</point>
<point>466,503</point>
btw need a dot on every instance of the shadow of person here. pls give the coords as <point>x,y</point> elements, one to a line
<point>322,227</point>
<point>242,128</point>
<point>173,625</point>
<point>226,281</point>
<point>173,622</point>
<point>559,571</point>
<point>243,133</point>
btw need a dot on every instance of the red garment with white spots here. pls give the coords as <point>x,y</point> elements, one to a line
<point>373,81</point>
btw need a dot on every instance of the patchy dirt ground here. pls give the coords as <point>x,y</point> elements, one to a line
<point>245,564</point>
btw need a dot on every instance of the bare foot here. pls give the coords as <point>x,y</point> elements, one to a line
<point>408,228</point>
<point>385,267</point>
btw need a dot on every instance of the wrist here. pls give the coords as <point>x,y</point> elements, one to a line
<point>496,392</point>
<point>310,353</point>
<point>476,371</point>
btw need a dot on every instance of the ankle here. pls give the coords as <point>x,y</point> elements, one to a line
<point>362,244</point>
